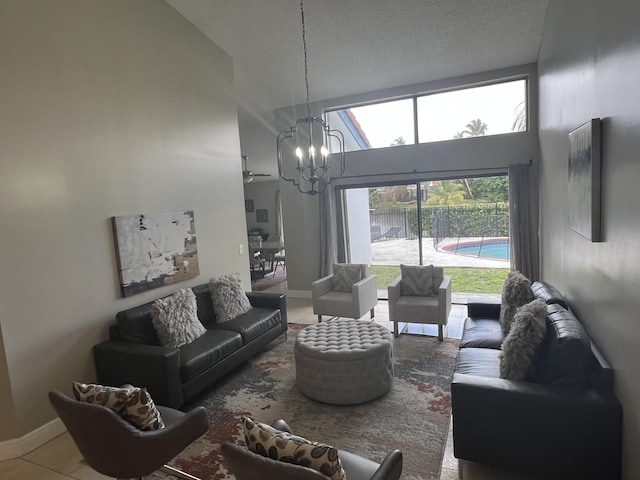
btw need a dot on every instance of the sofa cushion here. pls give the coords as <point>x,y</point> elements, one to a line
<point>228,297</point>
<point>523,341</point>
<point>135,325</point>
<point>207,350</point>
<point>134,404</point>
<point>482,333</point>
<point>252,324</point>
<point>566,350</point>
<point>483,362</point>
<point>287,447</point>
<point>206,313</point>
<point>345,275</point>
<point>175,319</point>
<point>548,293</point>
<point>417,280</point>
<point>516,291</point>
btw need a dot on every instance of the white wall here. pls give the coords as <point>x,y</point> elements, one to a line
<point>108,108</point>
<point>589,67</point>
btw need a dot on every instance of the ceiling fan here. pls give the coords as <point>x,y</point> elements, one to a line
<point>248,175</point>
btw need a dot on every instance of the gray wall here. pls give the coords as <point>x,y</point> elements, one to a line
<point>263,195</point>
<point>108,108</point>
<point>438,160</point>
<point>589,67</point>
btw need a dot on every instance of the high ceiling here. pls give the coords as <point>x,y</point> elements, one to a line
<point>358,46</point>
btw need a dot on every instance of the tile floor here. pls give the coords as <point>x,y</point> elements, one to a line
<point>59,459</point>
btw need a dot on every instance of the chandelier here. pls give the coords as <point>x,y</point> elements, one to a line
<point>303,150</point>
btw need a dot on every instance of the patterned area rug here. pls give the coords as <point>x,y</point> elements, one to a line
<point>413,416</point>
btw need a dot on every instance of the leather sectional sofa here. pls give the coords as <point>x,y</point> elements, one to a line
<point>563,422</point>
<point>133,354</point>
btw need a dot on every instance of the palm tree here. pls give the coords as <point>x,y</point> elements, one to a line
<point>447,193</point>
<point>476,128</point>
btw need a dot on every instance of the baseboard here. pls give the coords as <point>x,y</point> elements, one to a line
<point>21,446</point>
<point>299,293</point>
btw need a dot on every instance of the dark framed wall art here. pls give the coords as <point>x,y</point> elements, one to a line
<point>585,164</point>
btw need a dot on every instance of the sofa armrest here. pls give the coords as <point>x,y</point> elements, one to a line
<point>515,424</point>
<point>270,300</point>
<point>157,368</point>
<point>482,308</point>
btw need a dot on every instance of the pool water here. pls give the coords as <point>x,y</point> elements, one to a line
<point>495,249</point>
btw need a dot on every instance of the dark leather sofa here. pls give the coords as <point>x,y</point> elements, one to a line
<point>133,354</point>
<point>563,422</point>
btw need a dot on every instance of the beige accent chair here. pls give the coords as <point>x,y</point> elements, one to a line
<point>420,309</point>
<point>360,296</point>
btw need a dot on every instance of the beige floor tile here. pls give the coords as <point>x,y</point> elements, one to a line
<point>7,465</point>
<point>29,471</point>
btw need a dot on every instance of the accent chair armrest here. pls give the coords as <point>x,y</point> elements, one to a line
<point>390,468</point>
<point>365,293</point>
<point>157,368</point>
<point>322,286</point>
<point>394,289</point>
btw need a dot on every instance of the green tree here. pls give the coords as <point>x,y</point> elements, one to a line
<point>492,189</point>
<point>399,141</point>
<point>447,193</point>
<point>475,128</point>
<point>374,198</point>
<point>519,118</point>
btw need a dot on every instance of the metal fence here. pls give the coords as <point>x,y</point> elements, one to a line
<point>486,220</point>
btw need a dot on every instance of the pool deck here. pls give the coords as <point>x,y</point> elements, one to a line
<point>405,251</point>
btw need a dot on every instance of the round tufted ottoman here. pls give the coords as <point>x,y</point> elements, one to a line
<point>344,361</point>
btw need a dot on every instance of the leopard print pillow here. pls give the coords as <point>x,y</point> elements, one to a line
<point>287,447</point>
<point>134,404</point>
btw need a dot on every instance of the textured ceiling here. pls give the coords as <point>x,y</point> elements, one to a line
<point>357,46</point>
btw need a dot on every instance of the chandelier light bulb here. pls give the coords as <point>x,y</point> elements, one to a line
<point>299,153</point>
<point>323,151</point>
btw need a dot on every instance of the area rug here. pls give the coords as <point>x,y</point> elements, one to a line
<point>262,284</point>
<point>413,416</point>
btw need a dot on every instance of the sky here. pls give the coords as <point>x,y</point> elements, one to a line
<point>442,115</point>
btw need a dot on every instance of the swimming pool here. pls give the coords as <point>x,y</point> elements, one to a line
<point>491,249</point>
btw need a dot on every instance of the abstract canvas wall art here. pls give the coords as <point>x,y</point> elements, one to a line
<point>155,249</point>
<point>584,180</point>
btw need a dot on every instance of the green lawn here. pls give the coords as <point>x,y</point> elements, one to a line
<point>468,280</point>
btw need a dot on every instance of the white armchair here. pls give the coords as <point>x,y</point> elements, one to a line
<point>350,292</point>
<point>431,309</point>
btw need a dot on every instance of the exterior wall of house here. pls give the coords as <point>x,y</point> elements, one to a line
<point>108,108</point>
<point>588,68</point>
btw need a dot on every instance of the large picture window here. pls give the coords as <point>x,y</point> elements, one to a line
<point>494,109</point>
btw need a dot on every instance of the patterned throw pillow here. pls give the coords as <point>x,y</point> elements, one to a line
<point>134,404</point>
<point>345,275</point>
<point>175,319</point>
<point>287,447</point>
<point>523,341</point>
<point>516,292</point>
<point>228,297</point>
<point>417,280</point>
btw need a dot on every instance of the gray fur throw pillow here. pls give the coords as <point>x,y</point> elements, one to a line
<point>175,319</point>
<point>228,297</point>
<point>516,291</point>
<point>525,337</point>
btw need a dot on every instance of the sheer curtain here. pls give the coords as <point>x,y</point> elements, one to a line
<point>328,232</point>
<point>279,226</point>
<point>523,244</point>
